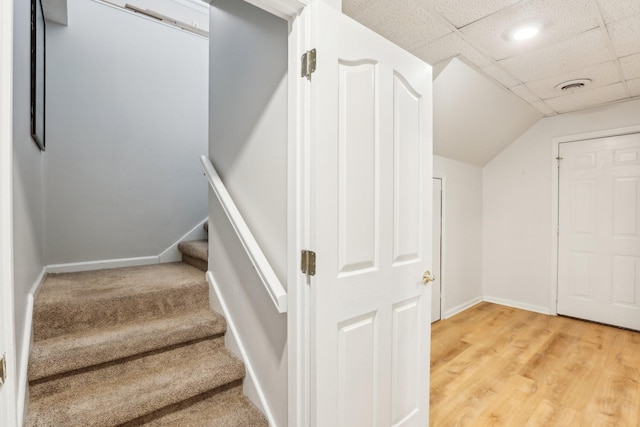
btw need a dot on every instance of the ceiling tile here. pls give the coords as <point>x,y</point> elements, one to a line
<point>613,10</point>
<point>582,51</point>
<point>501,76</point>
<point>625,35</point>
<point>403,22</point>
<point>561,20</point>
<point>631,66</point>
<point>588,98</point>
<point>450,46</point>
<point>601,75</point>
<point>543,108</point>
<point>463,12</point>
<point>354,7</point>
<point>634,87</point>
<point>523,92</point>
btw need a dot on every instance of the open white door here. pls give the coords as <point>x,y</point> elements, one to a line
<point>599,230</point>
<point>371,157</point>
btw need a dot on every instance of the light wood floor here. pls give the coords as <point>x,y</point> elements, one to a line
<point>498,366</point>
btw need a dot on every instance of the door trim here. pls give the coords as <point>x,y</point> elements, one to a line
<point>443,220</point>
<point>298,212</point>
<point>6,212</point>
<point>555,183</point>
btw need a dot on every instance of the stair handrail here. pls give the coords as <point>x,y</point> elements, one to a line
<point>260,263</point>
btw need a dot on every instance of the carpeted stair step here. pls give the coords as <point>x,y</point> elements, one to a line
<point>206,225</point>
<point>118,393</point>
<point>87,348</point>
<point>74,302</point>
<point>229,408</point>
<point>196,253</point>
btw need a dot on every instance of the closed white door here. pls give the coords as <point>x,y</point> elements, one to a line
<point>599,230</point>
<point>436,294</point>
<point>370,310</point>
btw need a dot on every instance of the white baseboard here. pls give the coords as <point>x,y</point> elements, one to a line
<point>462,307</point>
<point>518,304</point>
<point>27,341</point>
<point>102,264</point>
<point>172,254</point>
<point>251,386</point>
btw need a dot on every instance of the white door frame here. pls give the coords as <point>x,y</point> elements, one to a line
<point>296,13</point>
<point>443,209</point>
<point>8,414</point>
<point>555,182</point>
<point>299,204</point>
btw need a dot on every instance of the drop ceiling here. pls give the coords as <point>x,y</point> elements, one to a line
<point>581,39</point>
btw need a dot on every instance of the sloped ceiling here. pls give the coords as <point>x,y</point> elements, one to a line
<point>593,39</point>
<point>473,117</point>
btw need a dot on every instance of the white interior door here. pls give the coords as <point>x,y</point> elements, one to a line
<point>436,293</point>
<point>370,310</point>
<point>599,230</point>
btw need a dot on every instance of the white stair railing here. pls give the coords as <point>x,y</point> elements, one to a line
<point>271,282</point>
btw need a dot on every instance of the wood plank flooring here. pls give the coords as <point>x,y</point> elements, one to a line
<point>499,366</point>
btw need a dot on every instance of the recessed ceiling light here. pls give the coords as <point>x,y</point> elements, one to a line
<point>523,31</point>
<point>573,85</point>
<point>526,32</point>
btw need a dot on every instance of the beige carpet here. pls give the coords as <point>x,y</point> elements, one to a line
<point>133,346</point>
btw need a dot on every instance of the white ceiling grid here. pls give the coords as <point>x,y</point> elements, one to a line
<point>591,39</point>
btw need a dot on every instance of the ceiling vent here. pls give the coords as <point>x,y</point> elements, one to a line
<point>573,85</point>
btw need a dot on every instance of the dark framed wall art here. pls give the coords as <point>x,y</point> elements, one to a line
<point>38,74</point>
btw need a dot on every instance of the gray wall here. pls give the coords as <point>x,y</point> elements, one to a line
<point>28,176</point>
<point>462,234</point>
<point>126,122</point>
<point>248,147</point>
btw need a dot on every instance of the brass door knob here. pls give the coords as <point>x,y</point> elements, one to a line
<point>428,277</point>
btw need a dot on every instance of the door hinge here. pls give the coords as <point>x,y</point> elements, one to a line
<point>308,64</point>
<point>308,263</point>
<point>3,369</point>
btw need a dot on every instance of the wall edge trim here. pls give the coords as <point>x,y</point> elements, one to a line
<point>462,307</point>
<point>263,404</point>
<point>27,341</point>
<point>518,304</point>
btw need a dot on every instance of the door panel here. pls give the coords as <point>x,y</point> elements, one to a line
<point>599,238</point>
<point>371,185</point>
<point>407,170</point>
<point>356,370</point>
<point>358,159</point>
<point>405,359</point>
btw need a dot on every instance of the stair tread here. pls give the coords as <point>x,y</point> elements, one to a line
<point>72,302</point>
<point>234,411</point>
<point>125,391</point>
<point>83,349</point>
<point>114,283</point>
<point>198,249</point>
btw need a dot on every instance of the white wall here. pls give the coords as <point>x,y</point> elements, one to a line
<point>462,238</point>
<point>248,147</point>
<point>126,124</point>
<point>28,176</point>
<point>474,118</point>
<point>517,206</point>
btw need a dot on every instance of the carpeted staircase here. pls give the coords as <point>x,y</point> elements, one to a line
<point>136,346</point>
